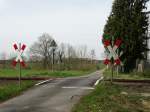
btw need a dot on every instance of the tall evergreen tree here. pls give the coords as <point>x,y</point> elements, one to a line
<point>128,21</point>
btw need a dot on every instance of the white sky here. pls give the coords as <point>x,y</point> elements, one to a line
<point>71,21</point>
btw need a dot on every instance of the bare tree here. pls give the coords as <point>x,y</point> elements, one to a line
<point>61,52</point>
<point>43,49</point>
<point>71,52</point>
<point>82,52</point>
<point>71,55</point>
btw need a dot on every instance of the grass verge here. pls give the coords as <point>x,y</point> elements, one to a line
<point>114,98</point>
<point>132,75</point>
<point>11,89</point>
<point>41,73</point>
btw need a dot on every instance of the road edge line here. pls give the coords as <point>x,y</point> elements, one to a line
<point>97,82</point>
<point>76,87</point>
<point>43,82</point>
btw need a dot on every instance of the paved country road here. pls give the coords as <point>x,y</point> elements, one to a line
<point>56,96</point>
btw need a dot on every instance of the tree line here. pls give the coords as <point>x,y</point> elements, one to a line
<point>46,53</point>
<point>128,21</point>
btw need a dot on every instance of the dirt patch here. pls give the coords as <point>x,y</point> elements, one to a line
<point>137,92</point>
<point>136,87</point>
<point>146,104</point>
<point>145,94</point>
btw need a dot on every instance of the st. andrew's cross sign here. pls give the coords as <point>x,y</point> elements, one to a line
<point>112,52</point>
<point>19,51</point>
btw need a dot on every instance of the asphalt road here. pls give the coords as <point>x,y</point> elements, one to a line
<point>56,96</point>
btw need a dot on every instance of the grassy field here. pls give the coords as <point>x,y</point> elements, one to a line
<point>11,88</point>
<point>41,73</point>
<point>32,71</point>
<point>115,98</point>
<point>132,75</point>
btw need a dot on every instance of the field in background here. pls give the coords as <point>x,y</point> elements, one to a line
<point>41,73</point>
<point>35,69</point>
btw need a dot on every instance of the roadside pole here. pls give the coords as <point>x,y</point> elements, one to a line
<point>117,70</point>
<point>112,61</point>
<point>112,73</point>
<point>20,67</point>
<point>53,59</point>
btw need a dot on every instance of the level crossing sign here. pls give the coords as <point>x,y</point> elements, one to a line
<point>19,50</point>
<point>112,52</point>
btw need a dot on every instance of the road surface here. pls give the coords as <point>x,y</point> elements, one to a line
<point>56,96</point>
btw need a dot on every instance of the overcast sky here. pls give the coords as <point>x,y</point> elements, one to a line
<point>78,22</point>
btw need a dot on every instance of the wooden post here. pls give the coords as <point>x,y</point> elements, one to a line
<point>112,62</point>
<point>20,67</point>
<point>112,72</point>
<point>53,59</point>
<point>117,70</point>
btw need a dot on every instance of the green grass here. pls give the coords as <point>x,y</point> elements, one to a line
<point>132,75</point>
<point>8,90</point>
<point>108,98</point>
<point>41,73</point>
<point>61,73</point>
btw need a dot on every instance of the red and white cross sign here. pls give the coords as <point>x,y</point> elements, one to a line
<point>19,51</point>
<point>112,52</point>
